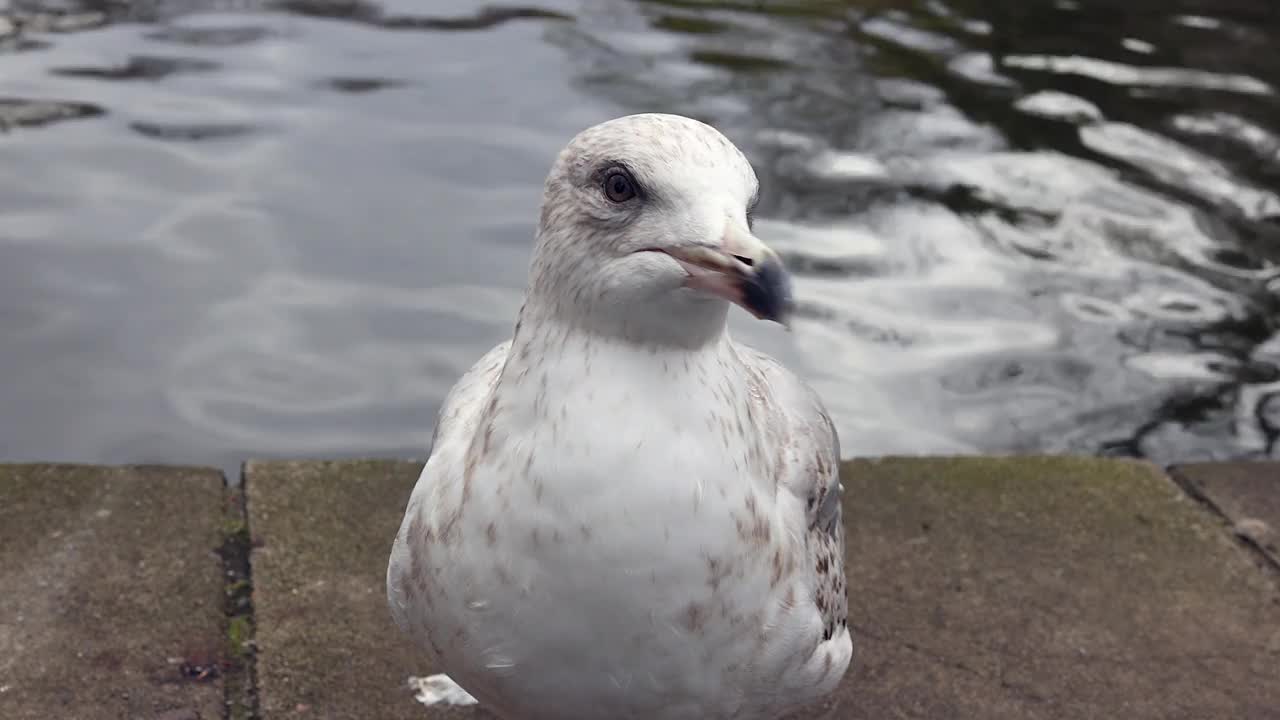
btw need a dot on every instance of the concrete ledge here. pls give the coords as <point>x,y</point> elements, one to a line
<point>322,533</point>
<point>1027,588</point>
<point>1050,588</point>
<point>1247,494</point>
<point>992,588</point>
<point>110,593</point>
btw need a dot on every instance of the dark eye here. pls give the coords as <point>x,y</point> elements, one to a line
<point>618,187</point>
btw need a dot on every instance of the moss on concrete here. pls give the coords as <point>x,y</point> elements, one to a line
<point>239,635</point>
<point>235,529</point>
<point>240,682</point>
<point>111,602</point>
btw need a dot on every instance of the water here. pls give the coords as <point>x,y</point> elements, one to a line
<point>239,229</point>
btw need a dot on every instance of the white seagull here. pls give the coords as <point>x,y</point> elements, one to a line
<point>625,513</point>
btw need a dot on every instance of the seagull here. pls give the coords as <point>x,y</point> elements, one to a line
<point>625,513</point>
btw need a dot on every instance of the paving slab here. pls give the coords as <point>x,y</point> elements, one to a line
<point>1246,493</point>
<point>980,588</point>
<point>110,592</point>
<point>327,647</point>
<point>1038,587</point>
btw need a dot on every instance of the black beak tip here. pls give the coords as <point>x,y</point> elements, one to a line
<point>766,292</point>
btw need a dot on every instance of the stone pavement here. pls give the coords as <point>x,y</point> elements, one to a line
<point>1049,588</point>
<point>327,647</point>
<point>980,588</point>
<point>1249,499</point>
<point>111,593</point>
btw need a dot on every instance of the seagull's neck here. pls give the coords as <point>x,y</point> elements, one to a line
<point>558,377</point>
<point>560,357</point>
<point>677,322</point>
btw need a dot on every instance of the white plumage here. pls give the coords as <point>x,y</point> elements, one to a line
<point>626,514</point>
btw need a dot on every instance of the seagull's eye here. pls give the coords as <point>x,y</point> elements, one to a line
<point>618,187</point>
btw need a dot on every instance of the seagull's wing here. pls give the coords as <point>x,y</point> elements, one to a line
<point>460,412</point>
<point>456,424</point>
<point>811,473</point>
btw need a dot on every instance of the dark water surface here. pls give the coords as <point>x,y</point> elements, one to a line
<point>244,228</point>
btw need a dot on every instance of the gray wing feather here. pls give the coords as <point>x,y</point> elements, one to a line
<point>816,480</point>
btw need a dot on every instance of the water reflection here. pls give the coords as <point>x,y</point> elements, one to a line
<point>30,113</point>
<point>141,67</point>
<point>357,85</point>
<point>265,363</point>
<point>1130,76</point>
<point>286,227</point>
<point>189,132</point>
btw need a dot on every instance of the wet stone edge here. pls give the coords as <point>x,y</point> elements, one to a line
<point>1250,545</point>
<point>240,680</point>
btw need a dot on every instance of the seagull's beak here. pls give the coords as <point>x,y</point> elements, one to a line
<point>741,269</point>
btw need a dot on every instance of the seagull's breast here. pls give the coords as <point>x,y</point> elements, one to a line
<point>615,516</point>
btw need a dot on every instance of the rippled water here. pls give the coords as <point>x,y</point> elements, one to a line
<point>233,229</point>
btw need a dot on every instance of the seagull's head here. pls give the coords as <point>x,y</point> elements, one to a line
<point>646,231</point>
